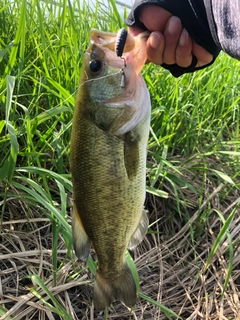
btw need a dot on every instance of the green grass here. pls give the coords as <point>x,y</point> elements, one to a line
<point>194,129</point>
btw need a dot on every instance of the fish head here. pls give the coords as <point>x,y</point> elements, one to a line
<point>114,84</point>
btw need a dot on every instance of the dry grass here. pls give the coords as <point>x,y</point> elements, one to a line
<point>170,264</point>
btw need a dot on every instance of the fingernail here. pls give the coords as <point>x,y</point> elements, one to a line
<point>155,40</point>
<point>173,24</point>
<point>183,38</point>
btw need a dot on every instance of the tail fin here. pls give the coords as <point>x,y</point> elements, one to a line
<point>107,290</point>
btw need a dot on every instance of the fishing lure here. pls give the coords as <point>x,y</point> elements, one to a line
<point>120,41</point>
<point>119,47</point>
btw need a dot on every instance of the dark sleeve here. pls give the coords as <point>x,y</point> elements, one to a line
<point>224,22</point>
<point>193,15</point>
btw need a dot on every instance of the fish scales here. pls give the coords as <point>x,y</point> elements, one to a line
<point>102,181</point>
<point>108,165</point>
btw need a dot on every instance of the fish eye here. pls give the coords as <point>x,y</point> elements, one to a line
<point>95,66</point>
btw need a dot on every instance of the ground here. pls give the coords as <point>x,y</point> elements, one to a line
<point>171,261</point>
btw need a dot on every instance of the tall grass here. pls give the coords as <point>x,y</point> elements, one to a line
<point>194,118</point>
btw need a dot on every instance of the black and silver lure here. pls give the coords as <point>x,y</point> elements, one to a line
<point>120,41</point>
<point>119,47</point>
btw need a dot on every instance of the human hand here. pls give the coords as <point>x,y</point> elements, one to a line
<point>169,42</point>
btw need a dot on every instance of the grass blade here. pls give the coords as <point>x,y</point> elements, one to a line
<point>3,311</point>
<point>10,88</point>
<point>168,312</point>
<point>133,269</point>
<point>223,232</point>
<point>19,34</point>
<point>12,158</point>
<point>57,308</point>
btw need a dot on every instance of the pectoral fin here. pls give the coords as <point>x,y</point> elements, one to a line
<point>81,241</point>
<point>140,232</point>
<point>131,155</point>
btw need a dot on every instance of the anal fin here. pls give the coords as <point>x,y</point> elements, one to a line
<point>140,231</point>
<point>81,241</point>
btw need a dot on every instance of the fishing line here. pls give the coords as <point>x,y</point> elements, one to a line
<point>71,95</point>
<point>88,80</point>
<point>97,79</point>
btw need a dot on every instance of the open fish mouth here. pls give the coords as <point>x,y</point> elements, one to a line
<point>109,40</point>
<point>124,70</point>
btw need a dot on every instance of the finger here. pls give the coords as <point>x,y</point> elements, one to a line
<point>155,46</point>
<point>154,17</point>
<point>202,55</point>
<point>184,50</point>
<point>171,34</point>
<point>134,30</point>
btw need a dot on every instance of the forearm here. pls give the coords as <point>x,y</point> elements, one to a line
<point>223,18</point>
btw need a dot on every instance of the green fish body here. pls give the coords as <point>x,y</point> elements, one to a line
<point>108,163</point>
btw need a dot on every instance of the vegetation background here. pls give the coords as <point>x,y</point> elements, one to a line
<point>189,262</point>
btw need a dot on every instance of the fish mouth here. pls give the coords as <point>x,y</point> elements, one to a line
<point>108,40</point>
<point>115,69</point>
<point>131,99</point>
<point>134,50</point>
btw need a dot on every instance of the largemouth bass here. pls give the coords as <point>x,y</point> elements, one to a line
<point>108,162</point>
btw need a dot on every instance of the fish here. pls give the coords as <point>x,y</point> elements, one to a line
<point>108,153</point>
